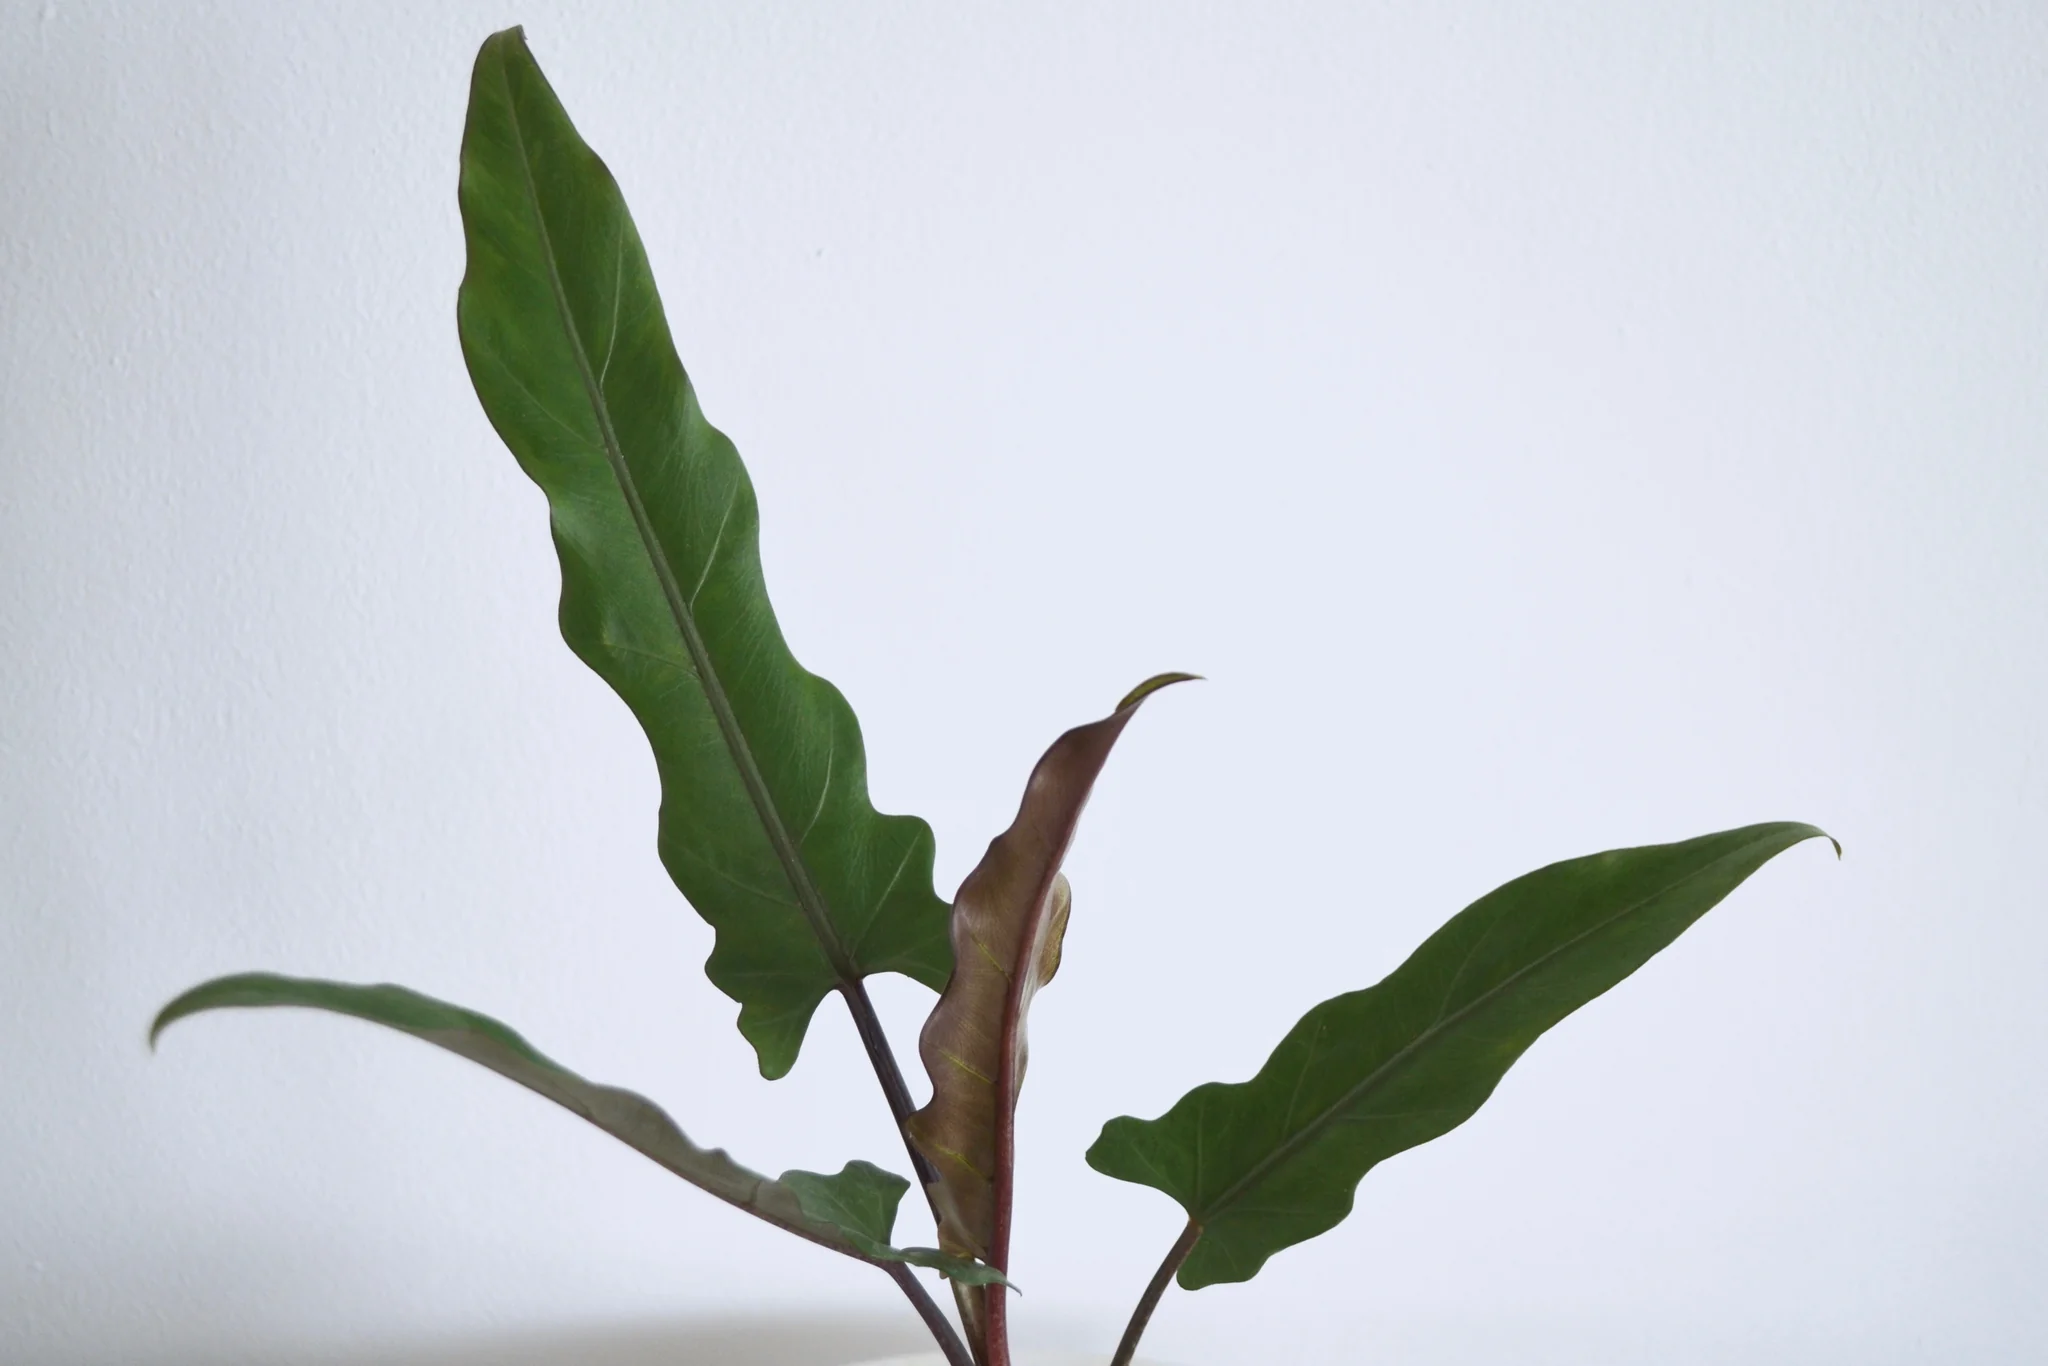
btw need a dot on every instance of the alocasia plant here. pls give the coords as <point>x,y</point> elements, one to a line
<point>767,830</point>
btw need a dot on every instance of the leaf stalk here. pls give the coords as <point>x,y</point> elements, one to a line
<point>869,1026</point>
<point>1149,1301</point>
<point>934,1318</point>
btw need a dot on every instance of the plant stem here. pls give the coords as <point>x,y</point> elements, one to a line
<point>883,1059</point>
<point>997,1332</point>
<point>889,1074</point>
<point>1149,1301</point>
<point>934,1318</point>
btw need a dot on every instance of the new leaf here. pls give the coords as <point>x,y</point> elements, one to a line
<point>1008,921</point>
<point>1264,1164</point>
<point>765,820</point>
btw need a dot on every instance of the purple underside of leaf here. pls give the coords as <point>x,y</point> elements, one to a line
<point>1009,920</point>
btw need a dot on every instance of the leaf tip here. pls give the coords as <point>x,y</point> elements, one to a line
<point>1153,685</point>
<point>171,1013</point>
<point>1813,831</point>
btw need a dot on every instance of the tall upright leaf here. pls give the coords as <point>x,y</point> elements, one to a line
<point>1009,918</point>
<point>851,1211</point>
<point>1264,1164</point>
<point>765,822</point>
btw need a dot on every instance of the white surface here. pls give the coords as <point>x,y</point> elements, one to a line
<point>1549,428</point>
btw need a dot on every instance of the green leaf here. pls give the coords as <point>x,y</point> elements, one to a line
<point>1264,1164</point>
<point>766,824</point>
<point>1008,922</point>
<point>851,1212</point>
<point>861,1201</point>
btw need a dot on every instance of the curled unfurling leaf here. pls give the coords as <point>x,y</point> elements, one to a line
<point>1008,923</point>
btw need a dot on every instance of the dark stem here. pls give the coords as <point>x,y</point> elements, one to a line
<point>869,1026</point>
<point>934,1318</point>
<point>889,1074</point>
<point>1149,1301</point>
<point>996,1338</point>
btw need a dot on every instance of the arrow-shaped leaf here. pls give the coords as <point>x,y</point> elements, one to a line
<point>765,820</point>
<point>1008,921</point>
<point>851,1211</point>
<point>1264,1164</point>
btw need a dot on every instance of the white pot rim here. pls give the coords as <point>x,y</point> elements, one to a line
<point>1017,1359</point>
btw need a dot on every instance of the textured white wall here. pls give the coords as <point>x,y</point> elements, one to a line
<point>1548,433</point>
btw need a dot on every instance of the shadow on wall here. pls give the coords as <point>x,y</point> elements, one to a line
<point>757,1340</point>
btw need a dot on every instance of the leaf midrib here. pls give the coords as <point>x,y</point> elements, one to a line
<point>1379,1074</point>
<point>793,866</point>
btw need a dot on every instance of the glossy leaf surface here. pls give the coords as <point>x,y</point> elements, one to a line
<point>1009,919</point>
<point>851,1211</point>
<point>1264,1164</point>
<point>765,822</point>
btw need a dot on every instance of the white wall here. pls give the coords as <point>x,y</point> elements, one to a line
<point>1547,433</point>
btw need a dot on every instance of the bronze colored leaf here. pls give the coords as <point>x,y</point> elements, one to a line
<point>1008,921</point>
